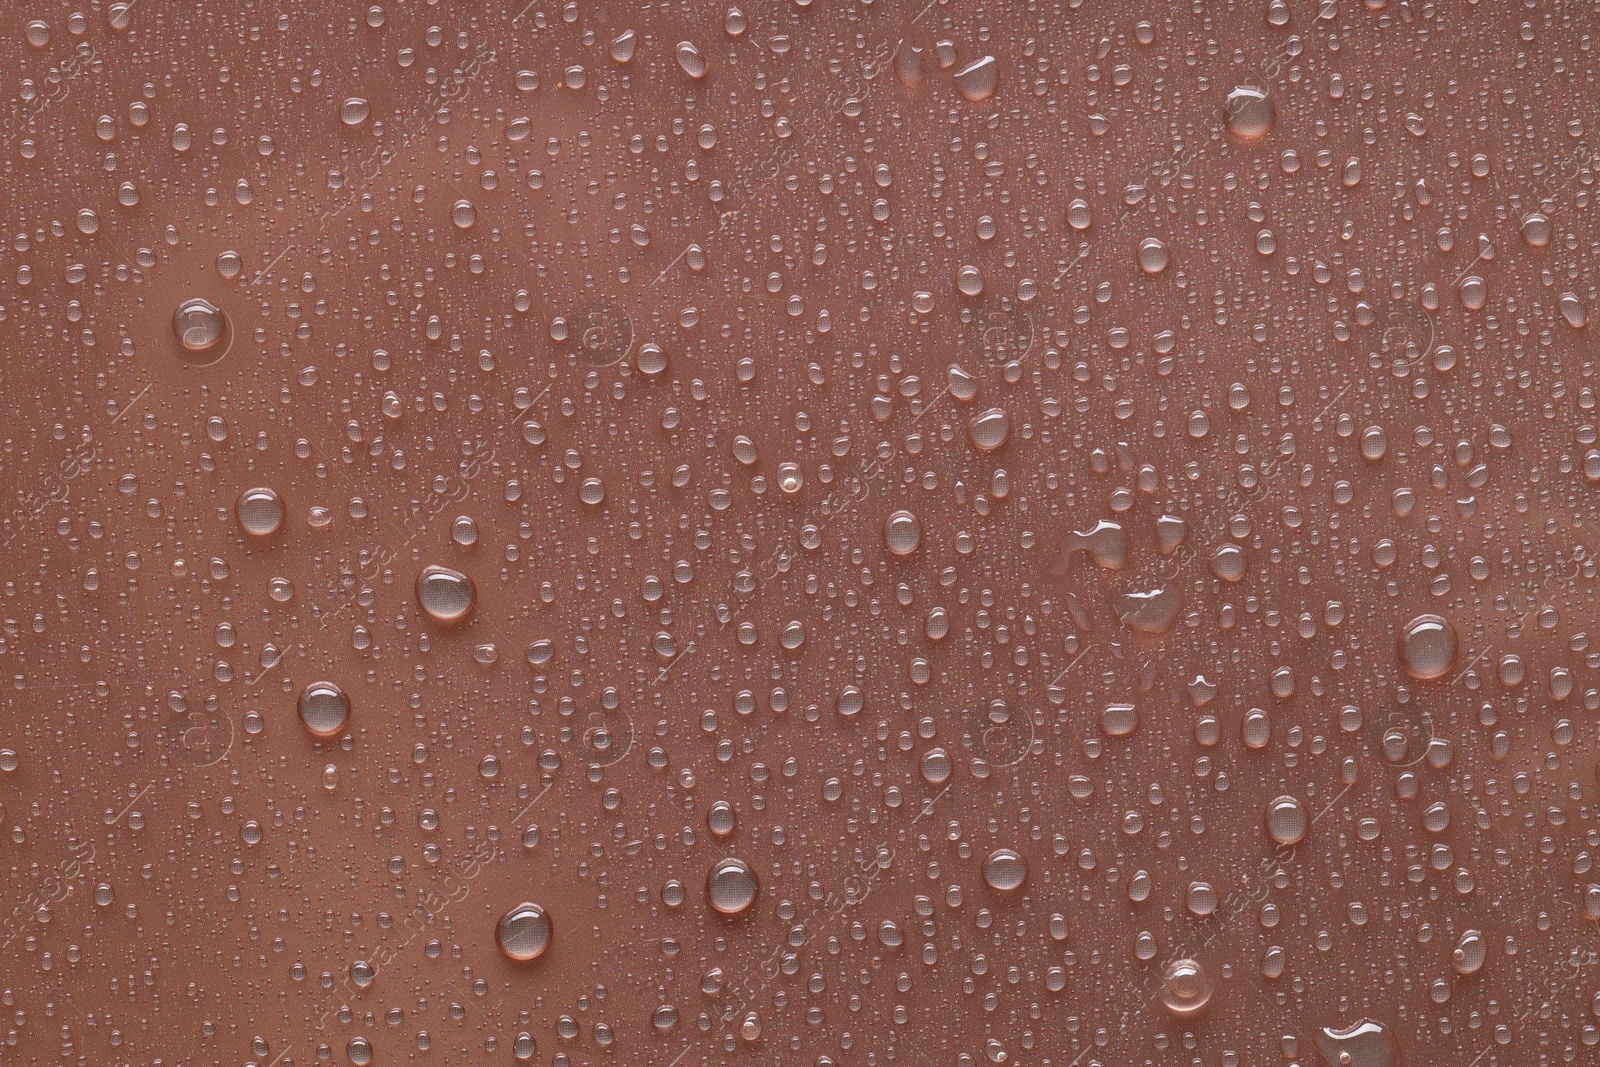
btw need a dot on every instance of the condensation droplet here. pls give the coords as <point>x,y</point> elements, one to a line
<point>260,512</point>
<point>902,533</point>
<point>324,709</point>
<point>731,887</point>
<point>1427,647</point>
<point>977,80</point>
<point>1249,113</point>
<point>524,933</point>
<point>1005,870</point>
<point>1286,821</point>
<point>445,594</point>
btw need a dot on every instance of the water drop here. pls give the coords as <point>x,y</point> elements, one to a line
<point>1286,820</point>
<point>1427,647</point>
<point>260,512</point>
<point>1185,987</point>
<point>623,46</point>
<point>691,59</point>
<point>1005,870</point>
<point>989,429</point>
<point>1153,255</point>
<point>1119,720</point>
<point>1248,113</point>
<point>524,932</point>
<point>977,79</point>
<point>902,533</point>
<point>936,766</point>
<point>1536,230</point>
<point>324,710</point>
<point>731,887</point>
<point>202,329</point>
<point>446,595</point>
<point>353,112</point>
<point>1470,953</point>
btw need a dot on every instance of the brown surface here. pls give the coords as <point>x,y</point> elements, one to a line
<point>1363,381</point>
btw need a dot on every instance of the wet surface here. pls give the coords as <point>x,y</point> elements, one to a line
<point>802,533</point>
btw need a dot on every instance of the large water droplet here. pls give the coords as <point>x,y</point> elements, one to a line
<point>1248,113</point>
<point>260,512</point>
<point>902,532</point>
<point>1427,647</point>
<point>324,709</point>
<point>1185,988</point>
<point>1005,870</point>
<point>353,112</point>
<point>691,59</point>
<point>524,932</point>
<point>202,329</point>
<point>731,887</point>
<point>1153,255</point>
<point>989,429</point>
<point>1365,1044</point>
<point>1286,820</point>
<point>1470,953</point>
<point>446,595</point>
